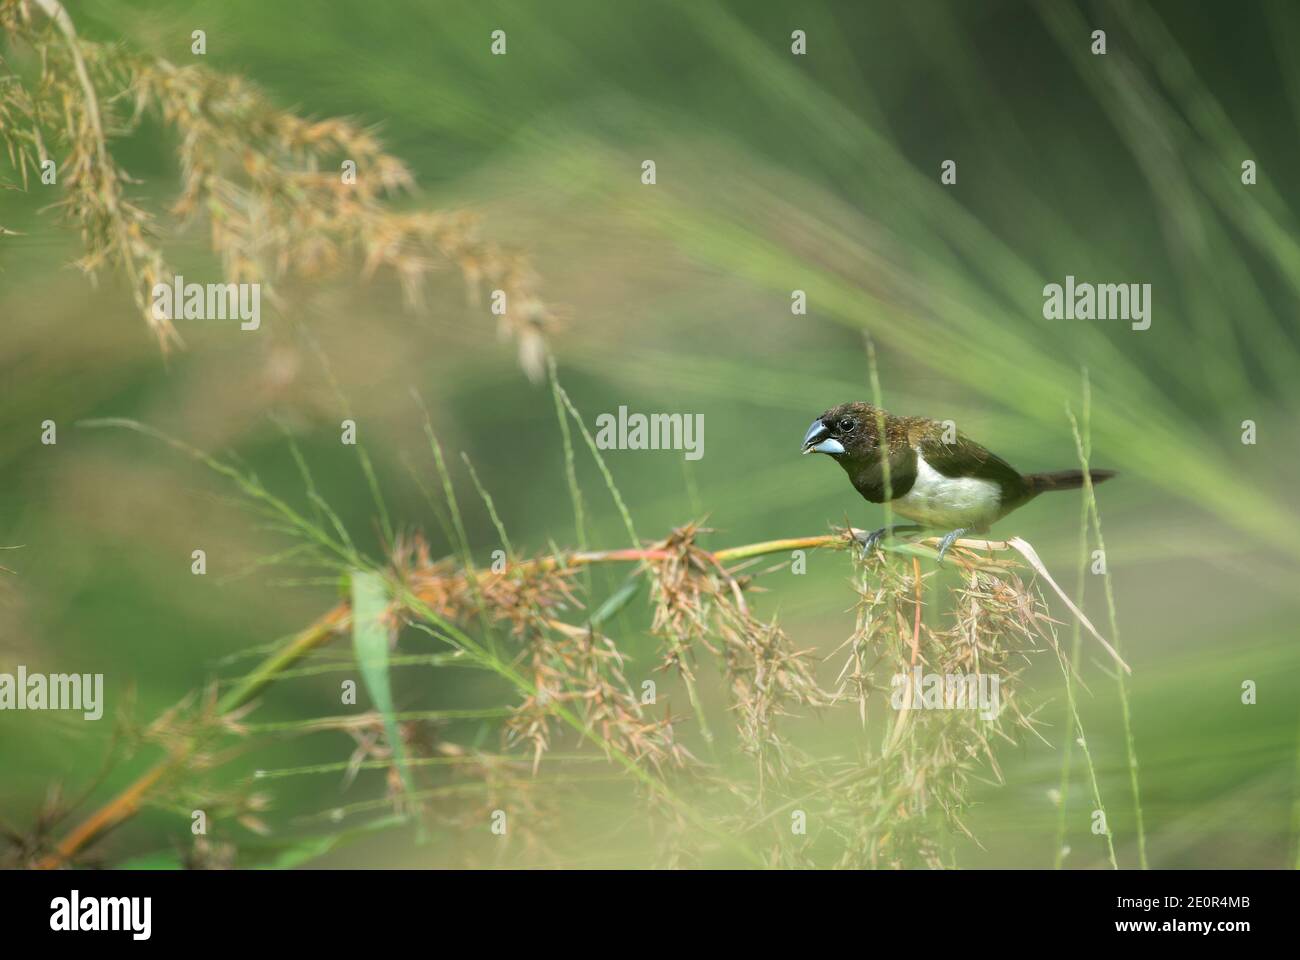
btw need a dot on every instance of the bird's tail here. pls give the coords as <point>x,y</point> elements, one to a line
<point>1063,479</point>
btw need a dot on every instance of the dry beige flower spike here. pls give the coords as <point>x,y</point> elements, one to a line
<point>269,183</point>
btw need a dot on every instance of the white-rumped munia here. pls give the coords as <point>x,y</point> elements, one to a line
<point>937,477</point>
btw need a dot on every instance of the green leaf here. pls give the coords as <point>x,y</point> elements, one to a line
<point>616,601</point>
<point>370,646</point>
<point>299,852</point>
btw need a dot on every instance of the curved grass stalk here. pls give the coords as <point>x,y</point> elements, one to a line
<point>1130,749</point>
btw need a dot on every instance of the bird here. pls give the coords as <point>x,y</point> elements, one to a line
<point>937,476</point>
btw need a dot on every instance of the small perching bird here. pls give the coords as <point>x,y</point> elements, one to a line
<point>937,477</point>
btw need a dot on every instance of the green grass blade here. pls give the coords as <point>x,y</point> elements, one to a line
<point>370,645</point>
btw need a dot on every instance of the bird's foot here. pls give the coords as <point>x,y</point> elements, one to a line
<point>947,541</point>
<point>870,541</point>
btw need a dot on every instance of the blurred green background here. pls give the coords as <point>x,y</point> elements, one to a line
<point>775,173</point>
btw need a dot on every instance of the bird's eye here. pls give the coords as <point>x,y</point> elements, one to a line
<point>847,424</point>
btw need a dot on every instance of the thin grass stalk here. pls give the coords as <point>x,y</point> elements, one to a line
<point>1130,748</point>
<point>490,505</point>
<point>1087,756</point>
<point>458,525</point>
<point>372,482</point>
<point>600,463</point>
<point>342,766</point>
<point>1076,646</point>
<point>570,466</point>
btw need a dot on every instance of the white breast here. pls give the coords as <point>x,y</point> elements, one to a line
<point>949,502</point>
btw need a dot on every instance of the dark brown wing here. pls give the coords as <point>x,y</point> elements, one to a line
<point>966,458</point>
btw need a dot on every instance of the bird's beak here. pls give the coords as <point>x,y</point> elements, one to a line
<point>818,439</point>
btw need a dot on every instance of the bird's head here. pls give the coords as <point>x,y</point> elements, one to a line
<point>846,432</point>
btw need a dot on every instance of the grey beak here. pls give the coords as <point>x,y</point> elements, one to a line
<point>818,439</point>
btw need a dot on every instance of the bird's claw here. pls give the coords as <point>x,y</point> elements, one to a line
<point>947,542</point>
<point>869,541</point>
